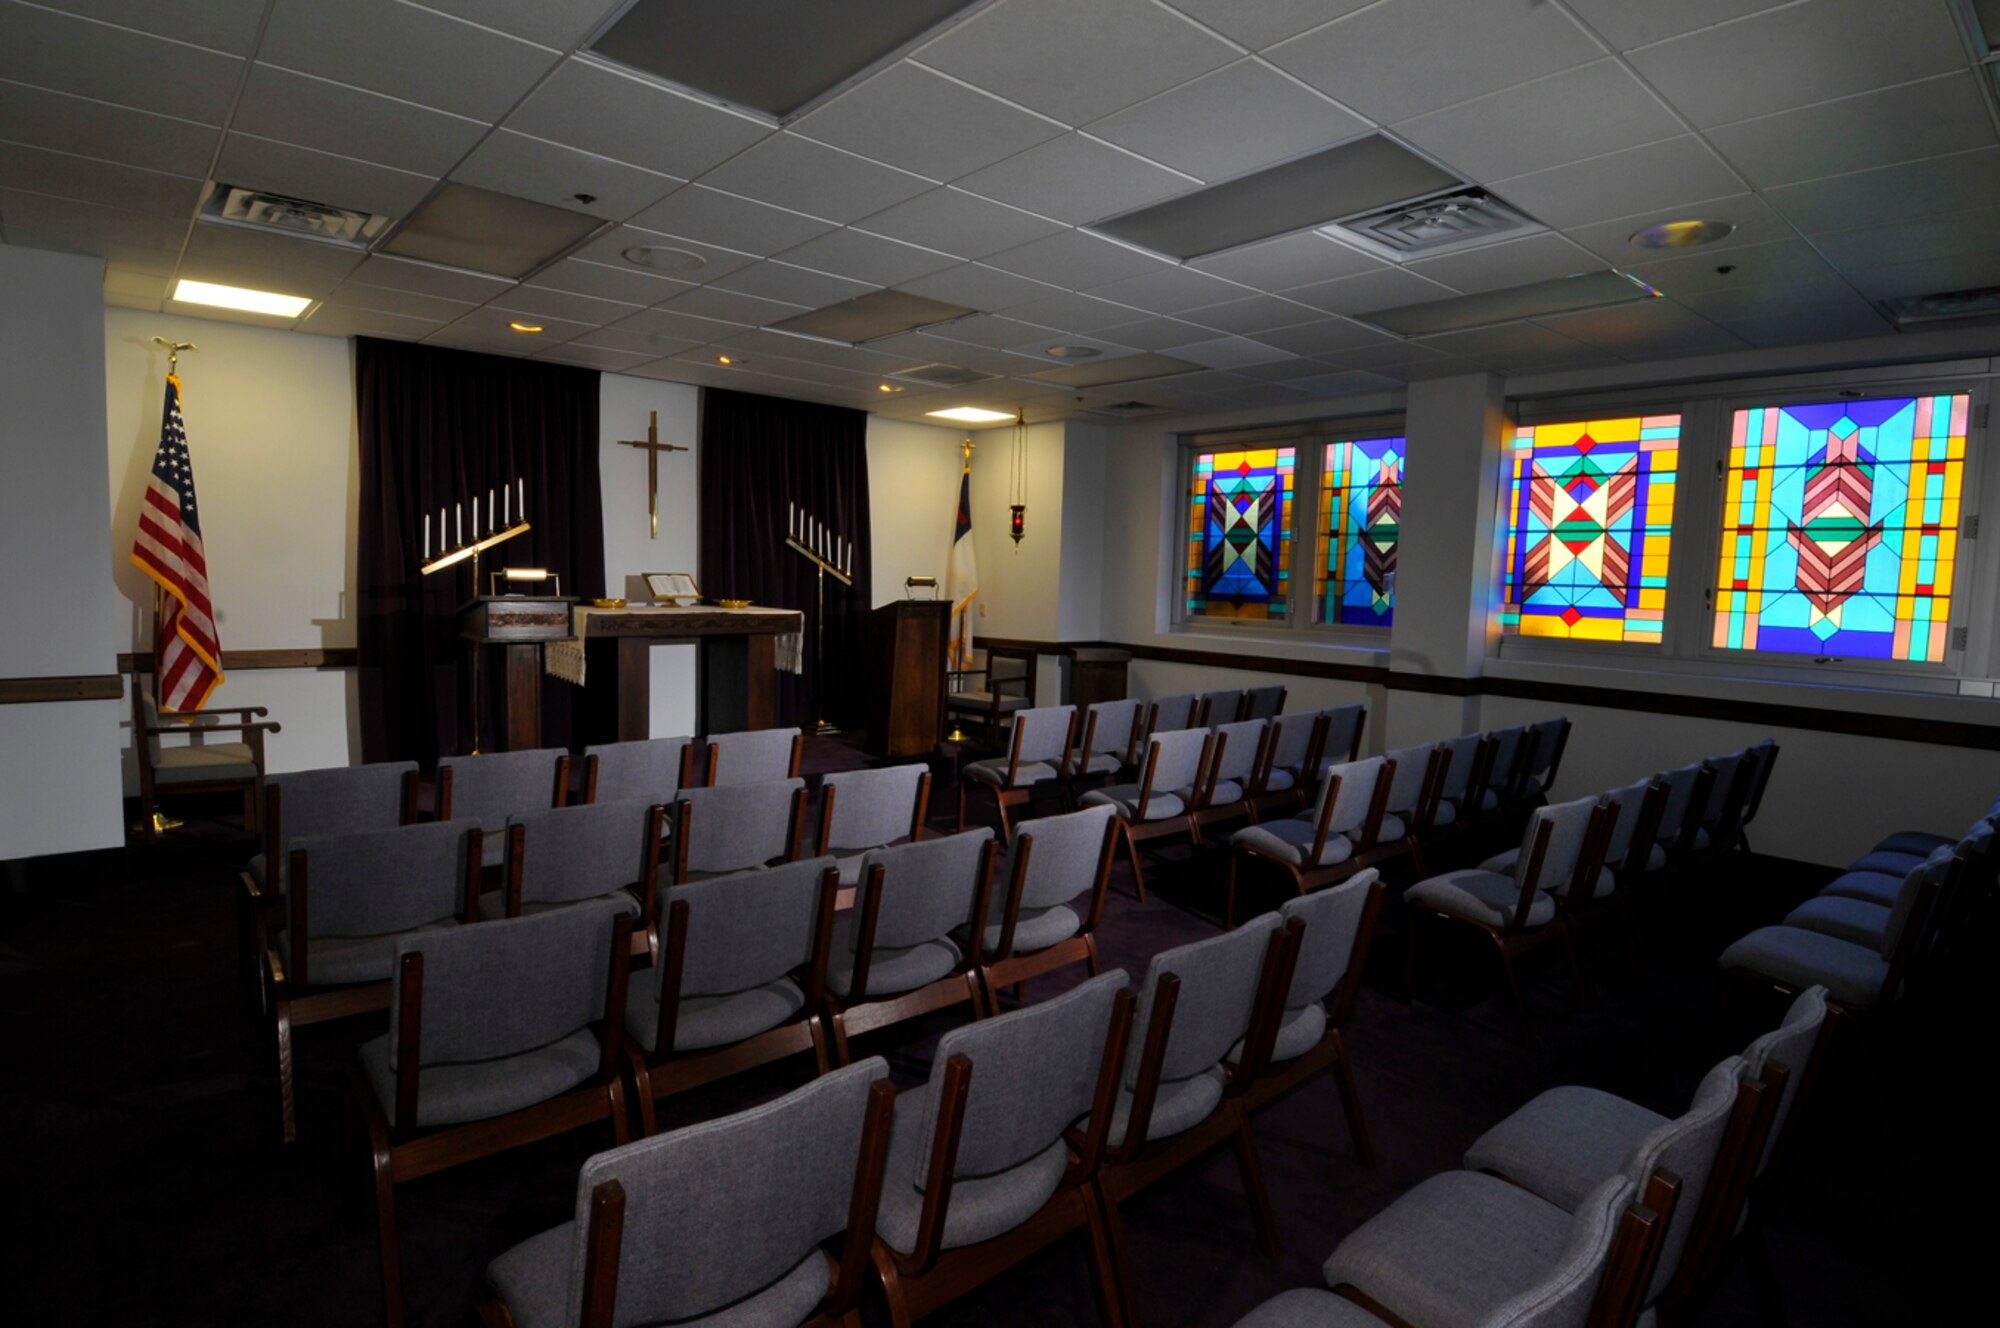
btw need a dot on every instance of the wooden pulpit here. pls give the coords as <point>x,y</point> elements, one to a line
<point>906,667</point>
<point>517,625</point>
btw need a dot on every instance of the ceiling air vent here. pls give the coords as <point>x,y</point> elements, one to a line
<point>1980,302</point>
<point>1436,225</point>
<point>942,375</point>
<point>235,206</point>
<point>1129,410</point>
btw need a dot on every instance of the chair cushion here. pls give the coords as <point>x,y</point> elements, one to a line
<point>1280,780</point>
<point>983,700</point>
<point>494,904</point>
<point>1227,791</point>
<point>1100,763</point>
<point>533,1278</point>
<point>1915,844</point>
<point>994,772</point>
<point>1488,800</point>
<point>890,971</point>
<point>1302,1030</point>
<point>1482,896</point>
<point>1852,974</point>
<point>1874,887</point>
<point>1855,920</point>
<point>1504,863</point>
<point>1179,1106</point>
<point>214,760</point>
<point>1888,862</point>
<point>1302,1307</point>
<point>1036,929</point>
<point>1452,1249</point>
<point>337,961</point>
<point>1125,797</point>
<point>257,869</point>
<point>1564,1143</point>
<point>1291,841</point>
<point>481,1090</point>
<point>712,1021</point>
<point>1394,828</point>
<point>1447,812</point>
<point>981,1207</point>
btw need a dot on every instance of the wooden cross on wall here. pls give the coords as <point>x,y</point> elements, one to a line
<point>651,442</point>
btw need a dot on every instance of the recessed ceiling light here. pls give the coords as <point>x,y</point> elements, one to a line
<point>1681,234</point>
<point>664,258</point>
<point>887,387</point>
<point>970,415</point>
<point>727,359</point>
<point>1073,352</point>
<point>526,327</point>
<point>240,298</point>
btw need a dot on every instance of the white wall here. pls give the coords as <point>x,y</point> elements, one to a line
<point>59,787</point>
<point>913,474</point>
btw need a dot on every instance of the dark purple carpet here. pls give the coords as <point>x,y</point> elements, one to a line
<point>148,1186</point>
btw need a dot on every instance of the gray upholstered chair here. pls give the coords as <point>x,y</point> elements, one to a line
<point>500,1034</point>
<point>493,786</point>
<point>893,956</point>
<point>1006,687</point>
<point>1265,702</point>
<point>1506,769</point>
<point>349,900</point>
<point>1688,789</point>
<point>1549,739</point>
<point>754,756</point>
<point>1171,714</point>
<point>1233,762</point>
<point>1344,725</point>
<point>739,982</point>
<point>1629,806</point>
<point>1726,799</point>
<point>1213,709</point>
<point>200,767</point>
<point>1037,755</point>
<point>864,809</point>
<point>656,769</point>
<point>1292,749</point>
<point>1329,847</point>
<point>1412,799</point>
<point>1470,754</point>
<point>567,855</point>
<point>1110,742</point>
<point>1146,810</point>
<point>1519,911</point>
<point>1034,925</point>
<point>1911,845</point>
<point>1181,1092</point>
<point>1340,927</point>
<point>1859,907</point>
<point>736,828</point>
<point>993,1159</point>
<point>730,1220</point>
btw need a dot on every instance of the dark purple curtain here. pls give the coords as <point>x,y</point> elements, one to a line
<point>438,427</point>
<point>759,455</point>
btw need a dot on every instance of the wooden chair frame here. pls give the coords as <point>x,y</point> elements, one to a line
<point>1265,800</point>
<point>795,831</point>
<point>1306,879</point>
<point>1716,1220</point>
<point>857,1012</point>
<point>400,1151</point>
<point>1085,749</point>
<point>1594,910</point>
<point>250,722</point>
<point>686,774</point>
<point>291,1001</point>
<point>663,1072</point>
<point>919,813</point>
<point>1001,967</point>
<point>991,713</point>
<point>645,934</point>
<point>1555,759</point>
<point>1139,830</point>
<point>1007,795</point>
<point>1207,812</point>
<point>559,797</point>
<point>929,1277</point>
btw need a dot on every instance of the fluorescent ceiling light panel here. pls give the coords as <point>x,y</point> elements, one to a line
<point>970,415</point>
<point>1538,299</point>
<point>881,313</point>
<point>240,298</point>
<point>1124,369</point>
<point>1351,177</point>
<point>775,57</point>
<point>481,231</point>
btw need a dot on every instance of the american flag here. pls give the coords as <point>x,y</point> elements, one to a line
<point>188,652</point>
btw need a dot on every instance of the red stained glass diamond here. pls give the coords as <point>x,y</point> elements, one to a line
<point>1571,617</point>
<point>1243,469</point>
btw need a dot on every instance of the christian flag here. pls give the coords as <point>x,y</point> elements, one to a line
<point>962,574</point>
<point>187,651</point>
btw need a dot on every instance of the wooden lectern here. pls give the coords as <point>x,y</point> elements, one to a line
<point>518,624</point>
<point>906,662</point>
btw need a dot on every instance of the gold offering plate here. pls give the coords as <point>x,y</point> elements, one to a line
<point>608,603</point>
<point>734,603</point>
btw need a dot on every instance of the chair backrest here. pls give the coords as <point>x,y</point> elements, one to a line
<point>1333,919</point>
<point>383,881</point>
<point>1113,728</point>
<point>649,768</point>
<point>1213,708</point>
<point>1791,1044</point>
<point>1006,666</point>
<point>1291,741</point>
<point>1629,801</point>
<point>1765,754</point>
<point>572,853</point>
<point>1727,794</point>
<point>1510,749</point>
<point>1043,734</point>
<point>1343,732</point>
<point>1569,830</point>
<point>1265,702</point>
<point>1174,759</point>
<point>926,889</point>
<point>1551,736</point>
<point>149,718</point>
<point>871,808</point>
<point>1412,765</point>
<point>1219,980</point>
<point>738,826</point>
<point>1034,1072</point>
<point>1680,784</point>
<point>719,1210</point>
<point>1064,854</point>
<point>497,989</point>
<point>1238,747</point>
<point>1566,1293</point>
<point>1170,714</point>
<point>754,756</point>
<point>1933,871</point>
<point>337,801</point>
<point>1464,751</point>
<point>493,786</point>
<point>1687,1146</point>
<point>750,930</point>
<point>1355,795</point>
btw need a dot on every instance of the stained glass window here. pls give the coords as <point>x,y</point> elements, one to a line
<point>1590,513</point>
<point>1360,514</point>
<point>1840,528</point>
<point>1239,549</point>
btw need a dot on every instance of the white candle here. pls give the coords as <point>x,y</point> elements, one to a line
<point>458,523</point>
<point>492,512</point>
<point>506,506</point>
<point>523,495</point>
<point>427,537</point>
<point>791,518</point>
<point>475,517</point>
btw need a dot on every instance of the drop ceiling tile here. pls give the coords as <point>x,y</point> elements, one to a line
<point>977,286</point>
<point>1658,175</point>
<point>1260,23</point>
<point>219,25</point>
<point>1170,290</point>
<point>428,279</point>
<point>1238,119</point>
<point>854,359</point>
<point>1909,192</point>
<point>1797,54</point>
<point>1152,333</point>
<point>285,279</point>
<point>1518,348</point>
<point>1925,119</point>
<point>1753,219</point>
<point>411,53</point>
<point>331,320</point>
<point>491,325</point>
<point>1653,329</point>
<point>1927,276</point>
<point>623,283</point>
<point>1289,261</point>
<point>525,167</point>
<point>558,23</point>
<point>285,168</point>
<point>1732,304</point>
<point>1578,113</point>
<point>1464,48</point>
<point>612,114</point>
<point>1373,290</point>
<point>65,53</point>
<point>85,180</point>
<point>955,222</point>
<point>1253,314</point>
<point>1629,23</point>
<point>772,280</point>
<point>692,328</point>
<point>1075,260</point>
<point>56,120</point>
<point>744,224</point>
<point>352,295</point>
<point>1396,355</point>
<point>610,248</point>
<point>1792,261</point>
<point>991,330</point>
<point>568,305</point>
<point>732,306</point>
<point>1077,179</point>
<point>805,371</point>
<point>1329,338</point>
<point>1903,242</point>
<point>1072,61</point>
<point>273,249</point>
<point>1511,263</point>
<point>1071,312</point>
<point>332,117</point>
<point>925,348</point>
<point>593,357</point>
<point>650,344</point>
<point>1795,327</point>
<point>1343,384</point>
<point>813,178</point>
<point>131,241</point>
<point>1037,349</point>
<point>1280,371</point>
<point>1228,353</point>
<point>868,258</point>
<point>923,122</point>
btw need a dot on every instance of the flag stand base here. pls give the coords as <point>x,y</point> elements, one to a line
<point>161,822</point>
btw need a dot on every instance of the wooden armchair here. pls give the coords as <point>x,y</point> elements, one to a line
<point>207,767</point>
<point>1004,685</point>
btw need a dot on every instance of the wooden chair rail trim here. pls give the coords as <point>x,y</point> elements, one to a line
<point>64,687</point>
